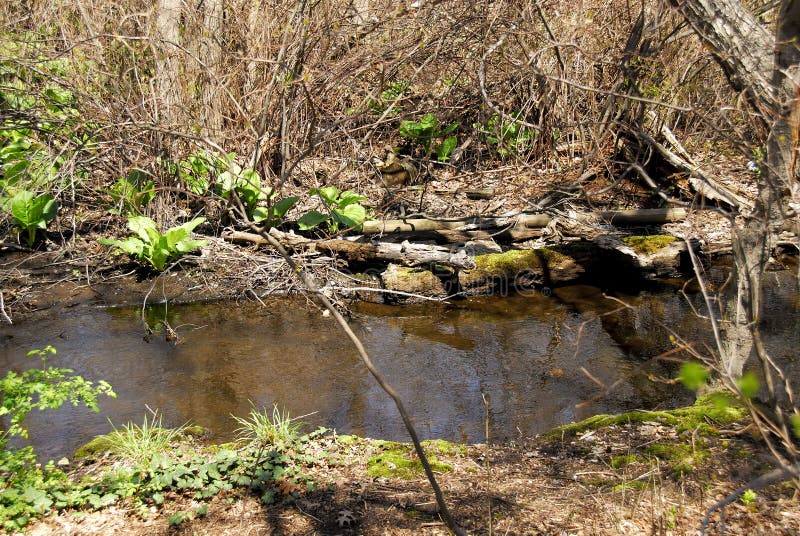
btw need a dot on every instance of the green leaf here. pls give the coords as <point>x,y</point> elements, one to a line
<point>748,385</point>
<point>282,207</point>
<point>330,194</point>
<point>351,215</point>
<point>188,245</point>
<point>144,227</point>
<point>38,499</point>
<point>444,149</point>
<point>310,220</point>
<point>693,375</point>
<point>795,420</point>
<point>349,197</point>
<point>132,245</point>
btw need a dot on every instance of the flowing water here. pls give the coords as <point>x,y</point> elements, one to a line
<point>539,360</point>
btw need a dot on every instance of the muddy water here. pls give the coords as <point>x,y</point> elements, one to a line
<point>526,354</point>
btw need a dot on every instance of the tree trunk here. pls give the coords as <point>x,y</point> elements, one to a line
<point>765,68</point>
<point>168,21</point>
<point>211,56</point>
<point>740,44</point>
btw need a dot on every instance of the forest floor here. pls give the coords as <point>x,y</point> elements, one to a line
<point>627,478</point>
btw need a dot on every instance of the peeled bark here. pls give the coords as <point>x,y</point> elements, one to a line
<point>741,45</point>
<point>765,68</point>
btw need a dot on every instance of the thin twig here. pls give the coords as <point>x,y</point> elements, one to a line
<point>313,288</point>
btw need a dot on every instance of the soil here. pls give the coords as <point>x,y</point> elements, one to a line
<point>605,481</point>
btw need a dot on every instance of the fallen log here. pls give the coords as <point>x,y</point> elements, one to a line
<point>522,221</point>
<point>405,253</point>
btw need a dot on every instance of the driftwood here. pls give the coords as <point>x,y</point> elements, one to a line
<point>523,221</point>
<point>405,253</point>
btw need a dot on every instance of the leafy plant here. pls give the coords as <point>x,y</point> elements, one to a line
<point>261,204</point>
<point>509,136</point>
<point>748,497</point>
<point>199,167</point>
<point>141,443</point>
<point>393,92</point>
<point>153,247</point>
<point>343,208</point>
<point>31,212</point>
<point>25,489</point>
<point>426,130</point>
<point>132,193</point>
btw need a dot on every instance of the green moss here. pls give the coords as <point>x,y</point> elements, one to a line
<point>648,244</point>
<point>682,458</point>
<point>98,445</point>
<point>192,431</point>
<point>709,410</point>
<point>632,485</point>
<point>444,448</point>
<point>401,462</point>
<point>618,462</point>
<point>509,263</point>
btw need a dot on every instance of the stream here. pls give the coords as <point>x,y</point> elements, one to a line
<point>540,360</point>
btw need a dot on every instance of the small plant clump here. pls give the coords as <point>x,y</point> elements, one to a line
<point>158,461</point>
<point>154,248</point>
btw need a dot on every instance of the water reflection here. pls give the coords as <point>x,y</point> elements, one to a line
<point>526,354</point>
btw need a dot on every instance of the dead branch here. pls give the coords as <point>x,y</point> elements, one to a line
<point>406,253</point>
<point>310,286</point>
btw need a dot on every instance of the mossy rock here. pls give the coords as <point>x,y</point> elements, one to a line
<point>400,461</point>
<point>720,408</point>
<point>98,445</point>
<point>648,244</point>
<point>518,267</point>
<point>413,281</point>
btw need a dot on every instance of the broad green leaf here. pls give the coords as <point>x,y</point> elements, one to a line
<point>175,235</point>
<point>144,227</point>
<point>310,220</point>
<point>351,215</point>
<point>132,245</point>
<point>330,194</point>
<point>748,385</point>
<point>348,197</point>
<point>260,214</point>
<point>227,182</point>
<point>21,208</point>
<point>190,226</point>
<point>795,420</point>
<point>693,375</point>
<point>38,499</point>
<point>188,245</point>
<point>16,171</point>
<point>282,207</point>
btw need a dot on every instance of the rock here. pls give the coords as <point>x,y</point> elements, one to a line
<point>518,269</point>
<point>413,281</point>
<point>650,255</point>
